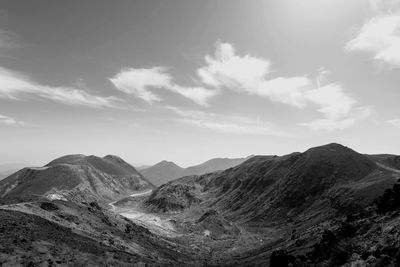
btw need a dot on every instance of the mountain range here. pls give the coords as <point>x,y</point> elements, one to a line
<point>282,186</point>
<point>166,171</point>
<point>327,206</point>
<point>289,200</point>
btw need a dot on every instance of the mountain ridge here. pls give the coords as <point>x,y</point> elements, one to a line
<point>268,187</point>
<point>165,171</point>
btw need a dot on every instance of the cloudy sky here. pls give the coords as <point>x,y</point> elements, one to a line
<point>189,80</point>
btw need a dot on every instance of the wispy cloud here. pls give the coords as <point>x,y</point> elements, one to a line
<point>140,82</point>
<point>249,74</point>
<point>380,35</point>
<point>17,86</point>
<point>226,123</point>
<point>394,122</point>
<point>5,120</point>
<point>227,70</point>
<point>332,124</point>
<point>199,95</point>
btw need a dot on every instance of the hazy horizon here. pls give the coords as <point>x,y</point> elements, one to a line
<point>187,81</point>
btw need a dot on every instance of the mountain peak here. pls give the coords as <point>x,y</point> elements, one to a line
<point>329,146</point>
<point>167,163</point>
<point>106,178</point>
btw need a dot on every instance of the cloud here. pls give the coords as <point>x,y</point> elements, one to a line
<point>381,37</point>
<point>5,120</point>
<point>199,95</point>
<point>225,69</point>
<point>226,124</point>
<point>17,86</point>
<point>249,74</point>
<point>139,82</point>
<point>394,122</point>
<point>332,124</point>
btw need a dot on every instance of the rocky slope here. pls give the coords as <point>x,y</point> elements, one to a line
<point>62,233</point>
<point>77,177</point>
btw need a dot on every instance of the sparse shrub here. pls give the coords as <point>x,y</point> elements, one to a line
<point>347,230</point>
<point>95,205</point>
<point>365,255</point>
<point>279,258</point>
<point>339,257</point>
<point>48,206</point>
<point>390,200</point>
<point>106,221</point>
<point>384,260</point>
<point>128,228</point>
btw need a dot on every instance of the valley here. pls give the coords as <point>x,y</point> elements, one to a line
<point>266,211</point>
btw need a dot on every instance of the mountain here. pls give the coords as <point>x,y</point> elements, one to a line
<point>142,167</point>
<point>162,172</point>
<point>166,171</point>
<point>270,187</point>
<point>315,208</point>
<point>327,206</point>
<point>77,177</point>
<point>213,165</point>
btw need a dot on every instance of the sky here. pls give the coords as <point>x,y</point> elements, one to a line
<point>186,80</point>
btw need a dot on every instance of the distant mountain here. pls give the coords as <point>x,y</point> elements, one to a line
<point>213,165</point>
<point>77,177</point>
<point>142,167</point>
<point>166,171</point>
<point>162,172</point>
